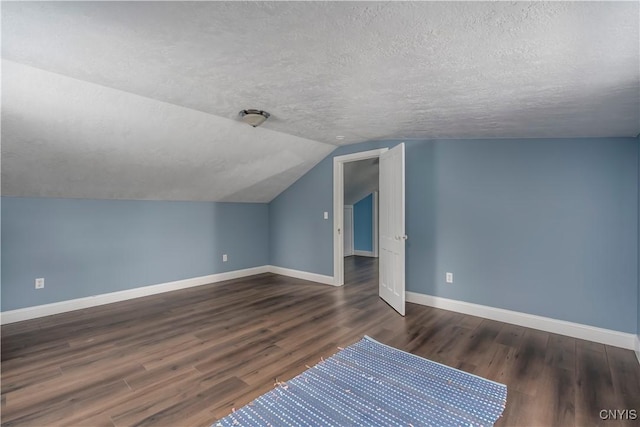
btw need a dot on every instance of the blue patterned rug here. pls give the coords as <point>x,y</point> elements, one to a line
<point>372,384</point>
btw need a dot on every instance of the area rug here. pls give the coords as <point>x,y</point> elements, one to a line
<point>372,384</point>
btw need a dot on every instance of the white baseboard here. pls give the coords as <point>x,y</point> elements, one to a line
<point>92,301</point>
<point>28,313</point>
<point>562,327</point>
<point>364,253</point>
<point>304,275</point>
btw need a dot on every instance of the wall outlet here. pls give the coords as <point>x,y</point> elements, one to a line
<point>224,258</point>
<point>448,277</point>
<point>40,283</point>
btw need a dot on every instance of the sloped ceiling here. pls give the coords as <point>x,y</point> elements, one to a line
<point>140,99</point>
<point>360,180</point>
<point>64,137</point>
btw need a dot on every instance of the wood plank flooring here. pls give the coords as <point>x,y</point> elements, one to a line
<point>188,357</point>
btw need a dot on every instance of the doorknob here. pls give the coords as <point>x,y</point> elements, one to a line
<point>338,231</point>
<point>404,237</point>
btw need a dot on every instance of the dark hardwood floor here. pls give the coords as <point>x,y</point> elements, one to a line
<point>188,357</point>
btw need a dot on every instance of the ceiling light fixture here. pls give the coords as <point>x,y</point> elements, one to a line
<point>254,117</point>
<point>340,137</point>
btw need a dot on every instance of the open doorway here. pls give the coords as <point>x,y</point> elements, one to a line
<point>391,233</point>
<point>360,237</point>
<point>339,165</point>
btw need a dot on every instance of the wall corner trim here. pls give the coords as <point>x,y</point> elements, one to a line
<point>96,300</point>
<point>547,324</point>
<point>304,275</point>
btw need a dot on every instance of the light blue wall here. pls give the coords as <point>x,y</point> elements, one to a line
<point>299,237</point>
<point>547,227</point>
<point>89,247</point>
<point>363,224</point>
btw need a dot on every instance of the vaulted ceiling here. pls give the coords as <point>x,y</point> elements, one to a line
<point>140,100</point>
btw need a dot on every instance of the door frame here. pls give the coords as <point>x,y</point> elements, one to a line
<point>350,208</point>
<point>338,208</point>
<point>374,217</point>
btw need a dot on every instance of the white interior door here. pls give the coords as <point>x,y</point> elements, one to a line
<point>392,233</point>
<point>348,230</point>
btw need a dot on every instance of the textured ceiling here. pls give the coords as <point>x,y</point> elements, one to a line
<point>140,99</point>
<point>68,138</point>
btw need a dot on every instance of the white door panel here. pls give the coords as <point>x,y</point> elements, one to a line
<point>392,230</point>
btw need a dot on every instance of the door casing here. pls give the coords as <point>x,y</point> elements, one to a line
<point>338,208</point>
